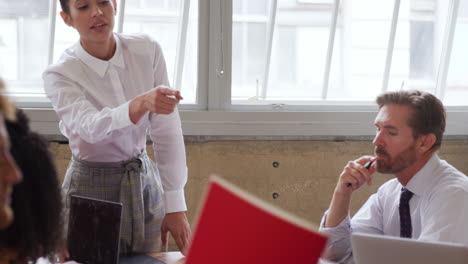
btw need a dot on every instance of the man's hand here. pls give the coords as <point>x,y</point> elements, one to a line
<point>178,225</point>
<point>354,175</point>
<point>160,100</point>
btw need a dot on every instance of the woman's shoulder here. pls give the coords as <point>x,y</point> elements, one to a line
<point>133,37</point>
<point>68,62</point>
<point>138,41</point>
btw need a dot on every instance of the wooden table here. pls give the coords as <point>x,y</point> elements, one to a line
<point>174,257</point>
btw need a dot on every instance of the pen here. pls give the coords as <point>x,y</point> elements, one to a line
<point>367,166</point>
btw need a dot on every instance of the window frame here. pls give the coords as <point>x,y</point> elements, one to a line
<point>215,115</point>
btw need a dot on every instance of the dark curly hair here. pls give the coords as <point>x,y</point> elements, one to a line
<point>36,230</point>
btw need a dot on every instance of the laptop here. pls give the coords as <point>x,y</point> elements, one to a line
<point>94,230</point>
<point>371,249</point>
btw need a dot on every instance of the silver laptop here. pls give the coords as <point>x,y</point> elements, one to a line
<point>375,249</point>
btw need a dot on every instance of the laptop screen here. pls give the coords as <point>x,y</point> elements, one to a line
<point>94,230</point>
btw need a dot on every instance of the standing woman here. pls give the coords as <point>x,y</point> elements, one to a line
<point>109,90</point>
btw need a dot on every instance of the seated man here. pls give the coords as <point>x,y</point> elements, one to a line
<point>9,173</point>
<point>36,230</point>
<point>428,200</point>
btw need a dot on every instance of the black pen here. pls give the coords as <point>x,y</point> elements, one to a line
<point>367,166</point>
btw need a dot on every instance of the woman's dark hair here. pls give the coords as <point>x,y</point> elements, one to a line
<point>36,230</point>
<point>64,5</point>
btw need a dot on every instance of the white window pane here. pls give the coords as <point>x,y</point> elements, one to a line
<point>298,53</point>
<point>249,40</point>
<point>8,49</point>
<point>418,44</point>
<point>154,4</point>
<point>457,78</point>
<point>369,9</point>
<point>297,63</point>
<point>23,44</point>
<point>357,72</point>
<point>249,7</point>
<point>65,36</point>
<point>161,20</point>
<point>190,71</point>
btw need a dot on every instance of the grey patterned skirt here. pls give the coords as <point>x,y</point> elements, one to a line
<point>136,184</point>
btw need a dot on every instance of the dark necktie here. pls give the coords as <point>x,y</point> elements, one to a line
<point>405,217</point>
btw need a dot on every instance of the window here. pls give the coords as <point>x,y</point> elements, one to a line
<point>278,55</point>
<point>305,52</point>
<point>23,43</point>
<point>457,78</point>
<point>261,67</point>
<point>163,20</point>
<point>25,49</point>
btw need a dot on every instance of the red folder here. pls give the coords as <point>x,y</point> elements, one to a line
<point>234,227</point>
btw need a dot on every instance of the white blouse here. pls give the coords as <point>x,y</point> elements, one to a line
<point>91,97</point>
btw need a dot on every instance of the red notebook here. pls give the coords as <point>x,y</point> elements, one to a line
<point>234,227</point>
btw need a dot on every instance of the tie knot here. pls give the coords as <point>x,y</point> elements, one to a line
<point>405,195</point>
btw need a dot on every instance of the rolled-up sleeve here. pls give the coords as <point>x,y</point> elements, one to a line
<point>367,220</point>
<point>339,242</point>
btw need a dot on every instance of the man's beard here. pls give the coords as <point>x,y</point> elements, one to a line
<point>401,161</point>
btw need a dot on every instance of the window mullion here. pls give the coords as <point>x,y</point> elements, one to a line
<point>203,52</point>
<point>20,48</point>
<point>270,35</point>
<point>331,42</point>
<point>120,16</point>
<point>52,20</point>
<point>220,51</point>
<point>391,45</point>
<point>181,44</point>
<point>447,49</point>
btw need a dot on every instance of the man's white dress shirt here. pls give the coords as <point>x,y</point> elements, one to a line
<point>91,97</point>
<point>439,210</point>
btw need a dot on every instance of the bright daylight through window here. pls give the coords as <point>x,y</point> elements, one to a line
<point>284,52</point>
<point>309,52</point>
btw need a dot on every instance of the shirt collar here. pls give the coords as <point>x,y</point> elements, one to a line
<point>98,65</point>
<point>422,180</point>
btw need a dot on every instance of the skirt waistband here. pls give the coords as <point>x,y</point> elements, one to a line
<point>85,166</point>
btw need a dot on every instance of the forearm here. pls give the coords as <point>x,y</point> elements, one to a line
<point>136,109</point>
<point>338,210</point>
<point>354,175</point>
